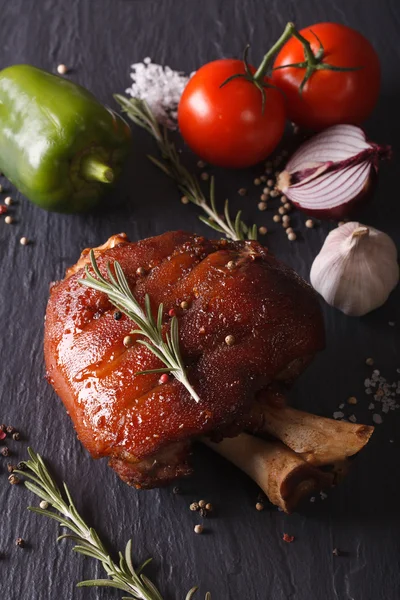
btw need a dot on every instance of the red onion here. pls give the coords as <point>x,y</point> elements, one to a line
<point>332,171</point>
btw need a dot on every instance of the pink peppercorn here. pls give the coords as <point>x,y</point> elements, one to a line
<point>2,435</point>
<point>3,209</point>
<point>164,378</point>
<point>172,312</point>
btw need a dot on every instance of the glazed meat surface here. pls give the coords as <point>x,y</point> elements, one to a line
<point>231,289</point>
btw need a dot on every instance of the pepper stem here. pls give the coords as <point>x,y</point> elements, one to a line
<point>95,169</point>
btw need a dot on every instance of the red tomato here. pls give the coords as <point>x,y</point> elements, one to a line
<point>226,126</point>
<point>330,97</point>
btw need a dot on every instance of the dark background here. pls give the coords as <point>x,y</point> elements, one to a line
<point>242,556</point>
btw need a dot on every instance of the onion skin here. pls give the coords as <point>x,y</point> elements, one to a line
<point>333,173</point>
<point>338,213</point>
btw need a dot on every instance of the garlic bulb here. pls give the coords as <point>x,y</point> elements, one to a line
<point>356,269</point>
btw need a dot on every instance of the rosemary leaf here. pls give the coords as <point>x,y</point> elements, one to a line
<point>120,294</point>
<point>99,583</point>
<point>122,577</point>
<point>140,113</point>
<point>87,540</point>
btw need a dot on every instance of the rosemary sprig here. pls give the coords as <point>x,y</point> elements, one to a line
<point>235,229</point>
<point>120,295</point>
<point>122,576</point>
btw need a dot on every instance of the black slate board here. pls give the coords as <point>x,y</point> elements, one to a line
<point>242,555</point>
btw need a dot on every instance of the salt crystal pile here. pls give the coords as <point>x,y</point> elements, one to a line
<point>161,87</point>
<point>385,393</point>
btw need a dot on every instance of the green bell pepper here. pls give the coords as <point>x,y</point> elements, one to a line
<point>58,145</point>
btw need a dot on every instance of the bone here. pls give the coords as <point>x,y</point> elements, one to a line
<point>282,475</point>
<point>318,440</point>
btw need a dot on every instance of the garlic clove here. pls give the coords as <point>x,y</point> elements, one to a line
<point>356,269</point>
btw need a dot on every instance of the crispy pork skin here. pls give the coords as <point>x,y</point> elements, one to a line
<point>238,289</point>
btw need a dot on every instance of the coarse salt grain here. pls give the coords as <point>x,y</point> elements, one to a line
<point>338,415</point>
<point>161,87</point>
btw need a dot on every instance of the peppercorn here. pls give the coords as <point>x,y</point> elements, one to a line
<point>3,428</point>
<point>172,312</point>
<point>176,490</point>
<point>117,315</point>
<point>230,340</point>
<point>209,507</point>
<point>21,466</point>
<point>24,241</point>
<point>194,506</point>
<point>3,435</point>
<point>10,467</point>
<point>16,436</point>
<point>62,69</point>
<point>262,230</point>
<point>242,191</point>
<point>44,505</point>
<point>292,237</point>
<point>262,206</point>
<point>10,429</point>
<point>282,210</point>
<point>309,223</point>
<point>185,200</point>
<point>202,503</point>
<point>20,543</point>
<point>13,479</point>
<point>201,164</point>
<point>264,197</point>
<point>203,513</point>
<point>289,230</point>
<point>140,271</point>
<point>276,218</point>
<point>287,205</point>
<point>259,506</point>
<point>205,176</point>
<point>184,305</point>
<point>128,341</point>
<point>352,400</point>
<point>257,181</point>
<point>231,264</point>
<point>3,210</point>
<point>8,201</point>
<point>198,528</point>
<point>8,220</point>
<point>369,362</point>
<point>270,183</point>
<point>274,193</point>
<point>5,451</point>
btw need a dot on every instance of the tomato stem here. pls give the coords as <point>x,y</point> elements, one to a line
<point>313,61</point>
<point>290,30</point>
